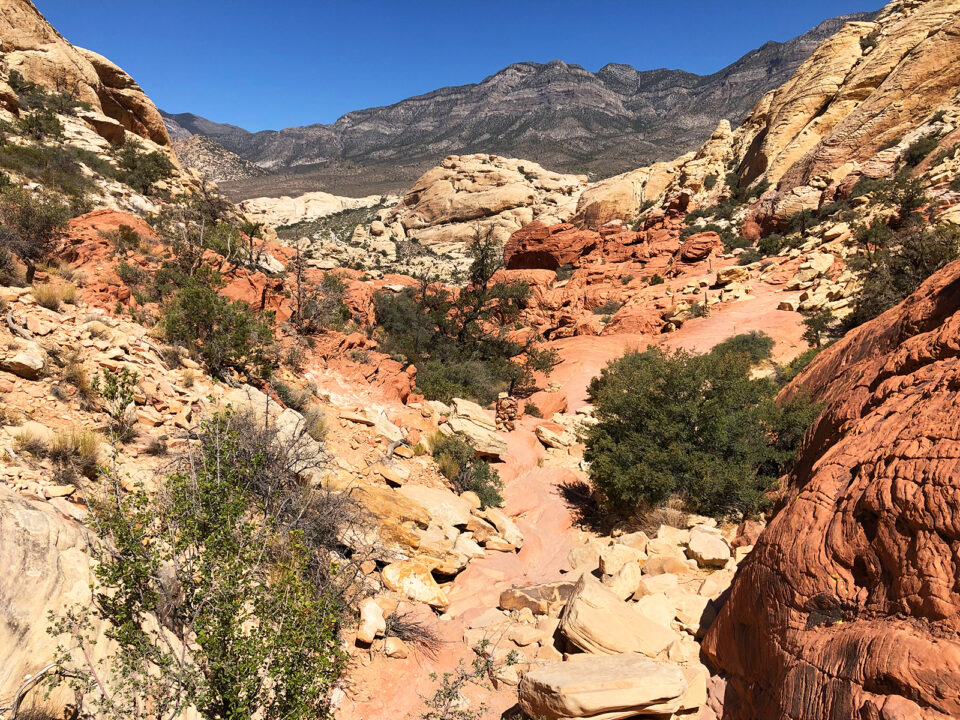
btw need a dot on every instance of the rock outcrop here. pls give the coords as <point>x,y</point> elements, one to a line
<point>859,613</point>
<point>470,193</point>
<point>42,55</point>
<point>279,211</point>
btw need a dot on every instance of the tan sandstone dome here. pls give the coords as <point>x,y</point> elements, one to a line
<point>34,48</point>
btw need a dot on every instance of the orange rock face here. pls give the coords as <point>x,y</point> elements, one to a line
<point>859,609</point>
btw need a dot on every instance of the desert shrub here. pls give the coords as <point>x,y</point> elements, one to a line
<point>414,632</point>
<point>142,170</point>
<point>53,295</point>
<point>232,556</point>
<point>222,333</point>
<point>116,391</point>
<point>709,182</point>
<point>30,227</point>
<point>457,461</point>
<point>532,410</point>
<point>786,373</point>
<point>132,275</point>
<point>31,442</point>
<point>608,308</point>
<point>9,272</point>
<point>755,345</point>
<point>315,423</point>
<point>76,451</point>
<point>564,272</point>
<point>40,125</point>
<point>124,239</point>
<point>802,221</point>
<point>461,341</point>
<point>318,305</point>
<point>694,426</point>
<point>770,245</point>
<point>819,326</point>
<point>870,41</point>
<point>893,263</point>
<point>749,256</point>
<point>699,310</point>
<point>918,150</point>
<point>35,97</point>
<point>295,398</point>
<point>157,447</point>
<point>55,167</point>
<point>657,279</point>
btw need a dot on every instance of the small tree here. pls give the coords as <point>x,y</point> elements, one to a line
<point>818,325</point>
<point>30,226</point>
<point>221,332</point>
<point>219,590</point>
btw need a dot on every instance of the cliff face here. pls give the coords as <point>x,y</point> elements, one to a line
<point>42,55</point>
<point>556,114</point>
<point>855,104</point>
<point>848,606</point>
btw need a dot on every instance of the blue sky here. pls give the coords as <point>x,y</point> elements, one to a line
<point>275,64</point>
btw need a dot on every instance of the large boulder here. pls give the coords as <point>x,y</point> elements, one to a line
<point>477,426</point>
<point>598,622</point>
<point>413,579</point>
<point>46,560</point>
<point>848,606</point>
<point>602,688</point>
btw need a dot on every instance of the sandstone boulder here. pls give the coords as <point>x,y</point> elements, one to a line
<point>414,581</point>
<point>600,623</point>
<point>607,688</point>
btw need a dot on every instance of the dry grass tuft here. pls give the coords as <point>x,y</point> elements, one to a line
<point>31,442</point>
<point>53,295</point>
<point>415,633</point>
<point>78,449</point>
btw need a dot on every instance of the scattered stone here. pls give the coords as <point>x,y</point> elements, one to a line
<point>372,623</point>
<point>546,599</point>
<point>414,580</point>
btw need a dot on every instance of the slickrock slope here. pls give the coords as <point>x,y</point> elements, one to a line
<point>859,612</point>
<point>34,48</point>
<point>278,212</point>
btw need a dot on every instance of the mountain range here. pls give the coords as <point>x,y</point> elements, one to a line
<point>557,114</point>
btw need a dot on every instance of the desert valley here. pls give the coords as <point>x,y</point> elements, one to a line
<point>638,405</point>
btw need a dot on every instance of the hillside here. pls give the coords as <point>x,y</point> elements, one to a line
<point>558,115</point>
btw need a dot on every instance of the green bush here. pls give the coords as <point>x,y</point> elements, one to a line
<point>457,461</point>
<point>697,427</point>
<point>41,124</point>
<point>132,275</point>
<point>462,343</point>
<point>249,556</point>
<point>918,150</point>
<point>223,333</point>
<point>608,308</point>
<point>709,182</point>
<point>870,41</point>
<point>749,256</point>
<point>894,262</point>
<point>30,226</point>
<point>142,170</point>
<point>755,345</point>
<point>657,279</point>
<point>770,245</point>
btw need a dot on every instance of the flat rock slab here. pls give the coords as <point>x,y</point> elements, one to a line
<point>546,599</point>
<point>601,688</point>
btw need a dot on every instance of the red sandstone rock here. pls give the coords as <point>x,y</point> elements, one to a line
<point>698,247</point>
<point>849,605</point>
<point>540,247</point>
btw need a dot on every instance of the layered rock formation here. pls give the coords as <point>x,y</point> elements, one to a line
<point>42,55</point>
<point>859,611</point>
<point>280,211</point>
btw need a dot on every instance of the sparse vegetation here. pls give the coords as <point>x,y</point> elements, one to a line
<point>918,150</point>
<point>30,226</point>
<point>75,452</point>
<point>222,333</point>
<point>457,461</point>
<point>142,170</point>
<point>231,557</point>
<point>53,295</point>
<point>116,390</point>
